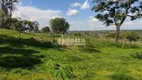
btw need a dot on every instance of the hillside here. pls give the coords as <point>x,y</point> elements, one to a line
<point>27,58</point>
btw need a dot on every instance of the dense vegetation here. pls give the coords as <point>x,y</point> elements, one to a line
<point>30,58</point>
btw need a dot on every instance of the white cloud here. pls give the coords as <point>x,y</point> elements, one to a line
<point>36,13</point>
<point>57,17</point>
<point>93,19</point>
<point>96,24</point>
<point>72,12</point>
<point>76,4</point>
<point>136,24</point>
<point>79,25</point>
<point>33,13</point>
<point>85,5</point>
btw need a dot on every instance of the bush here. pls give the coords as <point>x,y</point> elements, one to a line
<point>130,36</point>
<point>62,72</point>
<point>77,34</point>
<point>45,29</point>
<point>110,35</point>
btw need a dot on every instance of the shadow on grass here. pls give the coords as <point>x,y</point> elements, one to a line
<point>18,58</point>
<point>137,55</point>
<point>15,42</point>
<point>89,48</point>
<point>121,76</point>
<point>8,50</point>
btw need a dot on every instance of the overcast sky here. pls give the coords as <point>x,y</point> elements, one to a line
<point>77,12</point>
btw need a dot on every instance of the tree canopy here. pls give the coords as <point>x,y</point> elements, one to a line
<point>115,12</point>
<point>59,25</point>
<point>7,6</point>
<point>46,29</point>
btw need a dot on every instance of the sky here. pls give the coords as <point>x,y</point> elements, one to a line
<point>77,12</point>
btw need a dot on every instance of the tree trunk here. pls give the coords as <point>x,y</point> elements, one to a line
<point>117,33</point>
<point>10,17</point>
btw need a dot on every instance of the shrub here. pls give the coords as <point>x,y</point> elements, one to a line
<point>45,29</point>
<point>77,34</point>
<point>130,36</point>
<point>62,72</point>
<point>110,35</point>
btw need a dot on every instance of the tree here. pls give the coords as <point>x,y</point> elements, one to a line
<point>35,25</point>
<point>3,17</point>
<point>130,36</point>
<point>13,22</point>
<point>28,25</point>
<point>31,25</point>
<point>46,29</point>
<point>115,12</point>
<point>59,25</point>
<point>7,6</point>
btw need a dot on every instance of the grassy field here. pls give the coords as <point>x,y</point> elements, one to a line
<point>27,58</point>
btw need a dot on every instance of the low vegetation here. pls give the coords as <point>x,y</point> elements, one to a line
<point>27,53</point>
<point>29,59</point>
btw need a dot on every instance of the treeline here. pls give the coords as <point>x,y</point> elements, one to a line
<point>57,25</point>
<point>7,22</point>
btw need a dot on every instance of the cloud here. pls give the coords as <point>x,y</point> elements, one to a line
<point>33,13</point>
<point>128,24</point>
<point>96,24</point>
<point>76,4</point>
<point>79,25</point>
<point>36,13</point>
<point>72,12</point>
<point>84,24</point>
<point>85,5</point>
<point>136,24</point>
<point>93,19</point>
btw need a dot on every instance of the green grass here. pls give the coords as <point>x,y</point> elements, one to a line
<point>27,59</point>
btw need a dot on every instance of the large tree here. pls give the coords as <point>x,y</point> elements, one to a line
<point>23,25</point>
<point>7,6</point>
<point>59,25</point>
<point>115,12</point>
<point>3,17</point>
<point>31,25</point>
